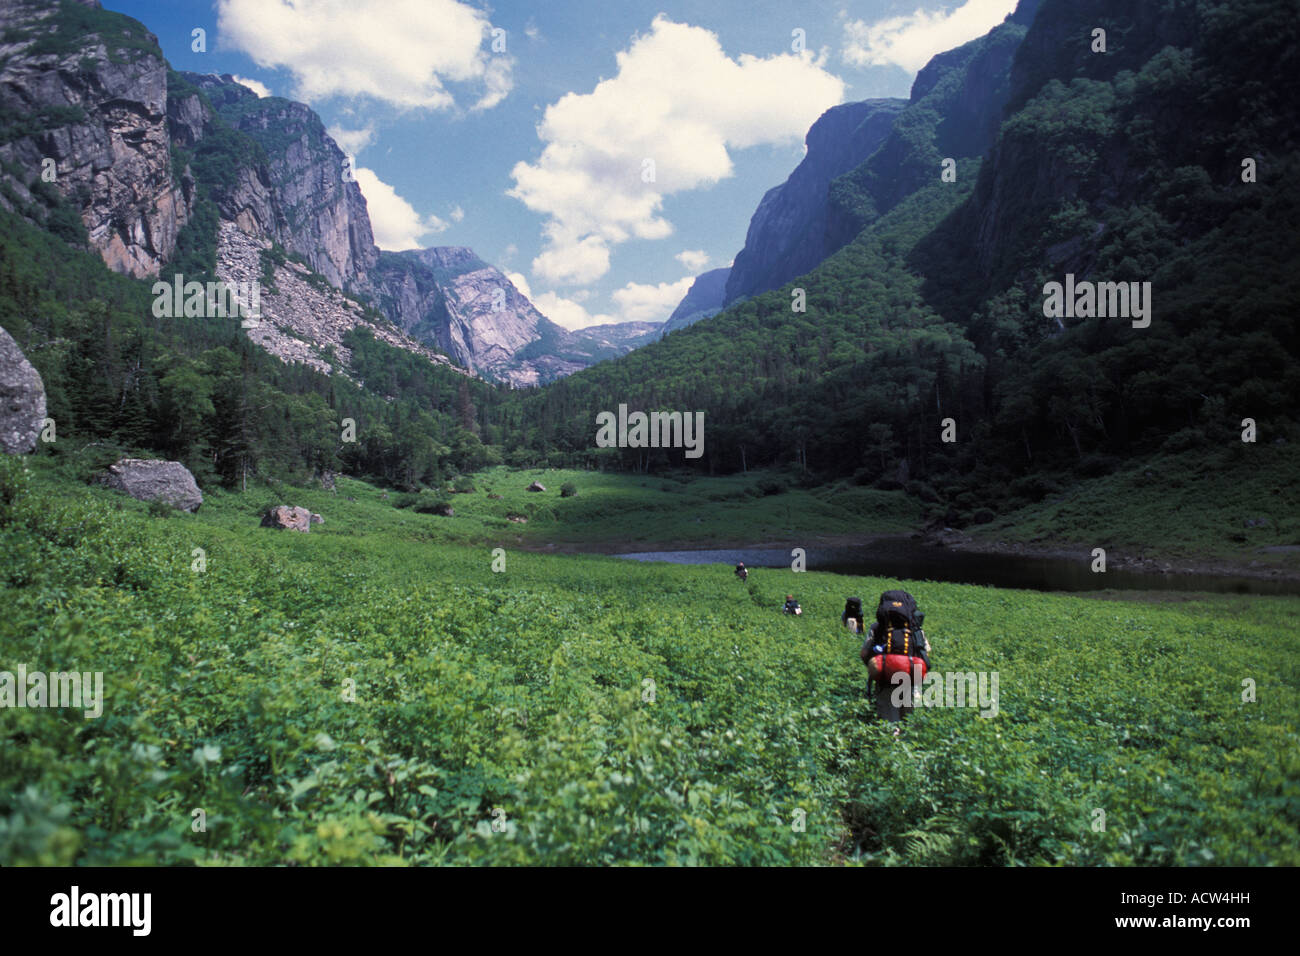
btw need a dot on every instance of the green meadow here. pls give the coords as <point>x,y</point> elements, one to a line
<point>374,692</point>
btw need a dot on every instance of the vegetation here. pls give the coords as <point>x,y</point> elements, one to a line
<point>587,710</point>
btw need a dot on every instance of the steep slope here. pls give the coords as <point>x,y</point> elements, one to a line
<point>954,111</point>
<point>303,319</point>
<point>319,212</point>
<point>788,233</point>
<point>83,95</point>
<point>703,299</point>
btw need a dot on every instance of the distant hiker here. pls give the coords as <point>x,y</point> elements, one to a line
<point>896,644</point>
<point>741,572</point>
<point>852,616</point>
<point>792,606</point>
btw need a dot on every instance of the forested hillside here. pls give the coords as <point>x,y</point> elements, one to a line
<point>199,391</point>
<point>1121,166</point>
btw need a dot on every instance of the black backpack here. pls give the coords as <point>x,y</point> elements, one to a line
<point>897,609</point>
<point>853,609</point>
<point>897,621</point>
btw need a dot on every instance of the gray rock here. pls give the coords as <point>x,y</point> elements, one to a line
<point>22,399</point>
<point>316,519</point>
<point>287,518</point>
<point>149,480</point>
<point>537,486</point>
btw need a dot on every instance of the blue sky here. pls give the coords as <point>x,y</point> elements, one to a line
<point>600,152</point>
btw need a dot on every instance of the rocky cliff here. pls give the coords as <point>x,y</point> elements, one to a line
<point>83,94</point>
<point>318,212</point>
<point>787,235</point>
<point>170,171</point>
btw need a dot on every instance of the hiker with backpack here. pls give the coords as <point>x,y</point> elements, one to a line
<point>741,572</point>
<point>896,644</point>
<point>792,606</point>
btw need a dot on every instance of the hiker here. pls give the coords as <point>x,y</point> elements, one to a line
<point>852,616</point>
<point>896,644</point>
<point>792,606</point>
<point>741,572</point>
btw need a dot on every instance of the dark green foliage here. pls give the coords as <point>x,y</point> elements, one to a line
<point>568,489</point>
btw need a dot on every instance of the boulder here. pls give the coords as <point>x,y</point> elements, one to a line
<point>518,519</point>
<point>316,519</point>
<point>22,399</point>
<point>148,480</point>
<point>286,517</point>
<point>444,510</point>
<point>327,480</point>
<point>537,486</point>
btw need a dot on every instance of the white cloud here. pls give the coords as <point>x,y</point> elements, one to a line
<point>650,303</point>
<point>520,283</point>
<point>402,52</point>
<point>635,302</point>
<point>352,141</point>
<point>259,88</point>
<point>395,222</point>
<point>693,259</point>
<point>457,214</point>
<point>910,41</point>
<point>677,99</point>
<point>566,312</point>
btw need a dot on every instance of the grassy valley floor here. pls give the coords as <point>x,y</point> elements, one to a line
<point>376,692</point>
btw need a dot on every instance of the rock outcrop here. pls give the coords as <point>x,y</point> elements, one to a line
<point>147,480</point>
<point>537,486</point>
<point>287,518</point>
<point>788,233</point>
<point>22,399</point>
<point>87,90</point>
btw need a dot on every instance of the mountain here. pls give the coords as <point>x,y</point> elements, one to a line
<point>788,232</point>
<point>1168,164</point>
<point>151,165</point>
<point>702,299</point>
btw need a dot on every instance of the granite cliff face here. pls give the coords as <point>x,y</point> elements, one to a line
<point>316,211</point>
<point>787,234</point>
<point>88,90</point>
<point>704,298</point>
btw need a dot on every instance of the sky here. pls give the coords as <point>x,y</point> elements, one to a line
<point>601,153</point>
